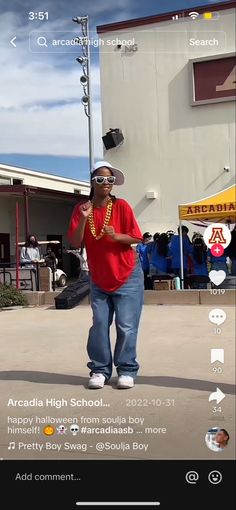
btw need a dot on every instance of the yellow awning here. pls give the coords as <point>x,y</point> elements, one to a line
<point>220,207</point>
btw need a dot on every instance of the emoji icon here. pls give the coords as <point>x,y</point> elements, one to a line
<point>74,428</point>
<point>215,477</point>
<point>217,316</point>
<point>217,277</point>
<point>49,430</point>
<point>61,429</point>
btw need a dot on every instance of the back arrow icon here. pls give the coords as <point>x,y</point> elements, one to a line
<point>12,42</point>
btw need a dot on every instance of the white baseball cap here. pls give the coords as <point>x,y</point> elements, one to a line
<point>120,179</point>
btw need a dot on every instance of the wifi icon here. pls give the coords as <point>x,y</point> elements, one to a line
<point>194,14</point>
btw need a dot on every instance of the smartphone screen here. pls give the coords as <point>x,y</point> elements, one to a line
<point>117,254</point>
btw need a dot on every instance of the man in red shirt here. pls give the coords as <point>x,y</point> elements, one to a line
<point>107,227</point>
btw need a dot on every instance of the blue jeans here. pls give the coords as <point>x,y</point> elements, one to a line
<point>126,303</point>
<point>153,270</point>
<point>219,266</point>
<point>199,285</point>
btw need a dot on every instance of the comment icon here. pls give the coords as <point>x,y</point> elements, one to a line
<point>217,316</point>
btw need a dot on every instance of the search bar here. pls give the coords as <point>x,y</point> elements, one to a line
<point>142,42</point>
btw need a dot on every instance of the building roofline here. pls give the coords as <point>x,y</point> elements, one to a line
<point>158,18</point>
<point>35,173</point>
<point>24,189</point>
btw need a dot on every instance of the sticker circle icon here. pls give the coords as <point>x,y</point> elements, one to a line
<point>215,477</point>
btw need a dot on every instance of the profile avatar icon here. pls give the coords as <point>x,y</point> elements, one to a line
<point>217,439</point>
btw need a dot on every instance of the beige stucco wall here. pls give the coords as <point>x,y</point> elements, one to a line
<point>170,147</point>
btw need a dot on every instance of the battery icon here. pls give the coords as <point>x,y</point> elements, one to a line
<point>211,15</point>
<point>207,15</point>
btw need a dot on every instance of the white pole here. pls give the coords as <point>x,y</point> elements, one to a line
<point>90,119</point>
<point>181,256</point>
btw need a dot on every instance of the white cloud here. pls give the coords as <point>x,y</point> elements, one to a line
<point>38,83</point>
<point>58,131</point>
<point>40,100</point>
<point>40,95</point>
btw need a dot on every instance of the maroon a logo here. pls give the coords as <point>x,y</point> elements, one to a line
<point>217,236</point>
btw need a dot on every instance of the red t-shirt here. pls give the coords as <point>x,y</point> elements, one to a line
<point>110,262</point>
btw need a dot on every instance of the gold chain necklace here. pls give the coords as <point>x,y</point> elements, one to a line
<point>105,223</point>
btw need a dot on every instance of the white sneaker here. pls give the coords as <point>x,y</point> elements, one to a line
<point>96,381</point>
<point>125,382</point>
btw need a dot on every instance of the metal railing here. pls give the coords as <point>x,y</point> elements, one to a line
<point>8,275</point>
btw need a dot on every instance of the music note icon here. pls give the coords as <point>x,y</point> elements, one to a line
<point>12,445</point>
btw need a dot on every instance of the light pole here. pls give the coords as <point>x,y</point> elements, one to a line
<point>84,61</point>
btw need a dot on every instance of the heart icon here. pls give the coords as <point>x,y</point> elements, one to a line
<point>217,277</point>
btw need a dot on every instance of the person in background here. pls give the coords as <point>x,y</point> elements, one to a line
<point>81,255</point>
<point>152,244</point>
<point>158,257</point>
<point>199,260</point>
<point>175,253</point>
<point>141,249</point>
<point>170,234</point>
<point>217,263</point>
<point>190,269</point>
<point>30,253</point>
<point>196,234</point>
<point>155,237</point>
<point>106,225</point>
<point>50,258</point>
<point>231,252</point>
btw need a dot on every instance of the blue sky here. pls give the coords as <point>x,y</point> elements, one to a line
<point>43,123</point>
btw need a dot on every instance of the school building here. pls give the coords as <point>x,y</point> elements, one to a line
<point>168,83</point>
<point>45,205</point>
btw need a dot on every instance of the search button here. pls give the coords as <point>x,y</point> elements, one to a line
<point>42,41</point>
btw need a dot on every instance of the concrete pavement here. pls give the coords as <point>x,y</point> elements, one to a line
<point>166,415</point>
